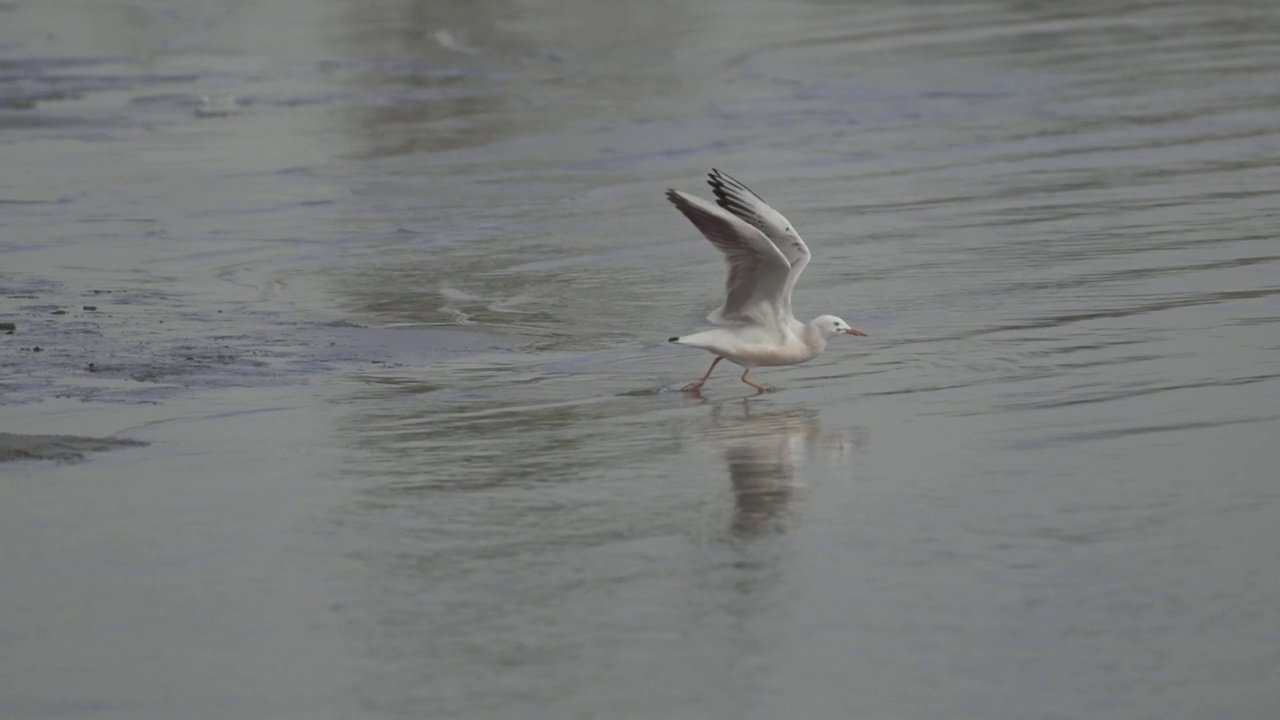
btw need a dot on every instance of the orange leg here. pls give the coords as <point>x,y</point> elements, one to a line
<point>696,387</point>
<point>759,388</point>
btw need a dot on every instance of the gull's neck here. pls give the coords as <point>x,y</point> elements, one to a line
<point>813,338</point>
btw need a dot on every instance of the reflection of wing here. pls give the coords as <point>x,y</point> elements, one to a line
<point>768,450</point>
<point>763,455</point>
<point>766,455</point>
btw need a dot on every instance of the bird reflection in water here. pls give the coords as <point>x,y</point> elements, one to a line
<point>766,455</point>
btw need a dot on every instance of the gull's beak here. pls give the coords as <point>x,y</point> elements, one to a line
<point>855,331</point>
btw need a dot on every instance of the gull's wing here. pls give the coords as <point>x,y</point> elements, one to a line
<point>744,203</point>
<point>758,271</point>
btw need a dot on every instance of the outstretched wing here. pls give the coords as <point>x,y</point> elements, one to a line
<point>751,208</point>
<point>758,271</point>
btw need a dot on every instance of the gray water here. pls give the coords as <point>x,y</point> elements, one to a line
<point>383,287</point>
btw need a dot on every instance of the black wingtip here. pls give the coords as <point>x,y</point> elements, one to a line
<point>673,339</point>
<point>718,179</point>
<point>717,187</point>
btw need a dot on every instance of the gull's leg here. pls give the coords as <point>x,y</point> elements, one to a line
<point>759,388</point>
<point>696,387</point>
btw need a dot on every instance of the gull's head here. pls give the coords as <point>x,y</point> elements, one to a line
<point>830,326</point>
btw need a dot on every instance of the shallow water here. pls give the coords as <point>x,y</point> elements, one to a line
<point>383,287</point>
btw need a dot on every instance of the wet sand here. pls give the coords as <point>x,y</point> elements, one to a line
<point>59,448</point>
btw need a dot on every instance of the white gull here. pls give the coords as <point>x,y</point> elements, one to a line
<point>765,256</point>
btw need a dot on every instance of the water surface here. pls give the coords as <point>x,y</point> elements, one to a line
<point>383,287</point>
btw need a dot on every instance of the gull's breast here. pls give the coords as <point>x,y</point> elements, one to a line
<point>771,354</point>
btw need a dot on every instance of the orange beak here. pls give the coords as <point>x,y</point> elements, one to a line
<point>855,331</point>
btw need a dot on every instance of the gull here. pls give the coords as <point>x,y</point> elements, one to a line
<point>765,257</point>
